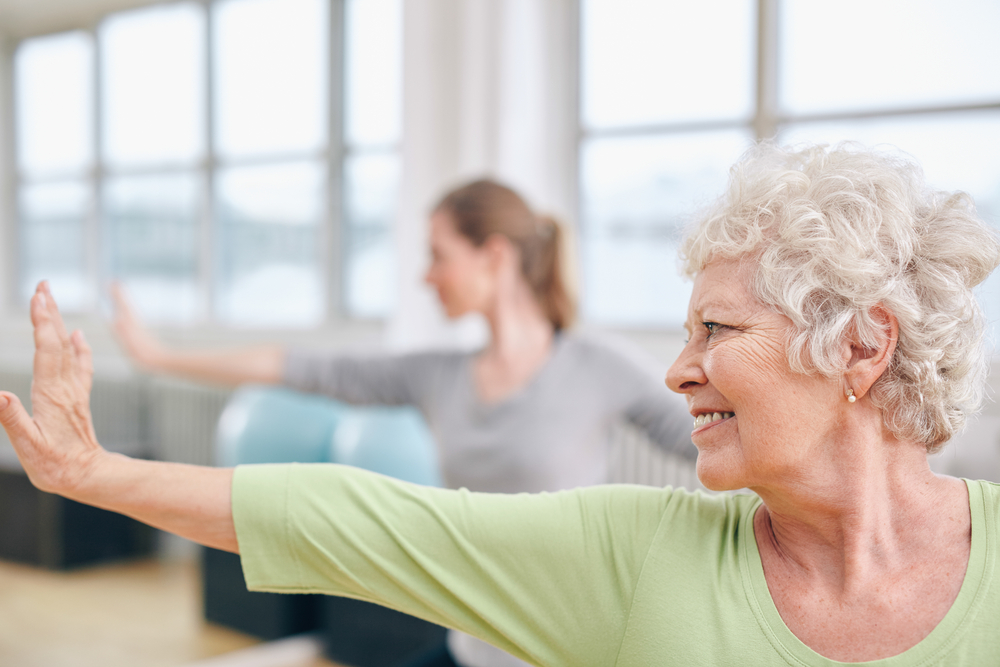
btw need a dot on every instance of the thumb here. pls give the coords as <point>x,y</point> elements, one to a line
<point>15,419</point>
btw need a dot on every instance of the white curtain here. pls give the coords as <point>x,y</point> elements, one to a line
<point>489,90</point>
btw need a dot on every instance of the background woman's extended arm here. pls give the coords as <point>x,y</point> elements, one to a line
<point>259,364</point>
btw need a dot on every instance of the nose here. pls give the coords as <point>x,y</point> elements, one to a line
<point>686,373</point>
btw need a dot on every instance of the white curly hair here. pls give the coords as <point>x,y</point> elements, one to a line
<point>835,232</point>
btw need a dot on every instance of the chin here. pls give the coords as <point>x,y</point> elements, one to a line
<point>455,313</point>
<point>451,310</point>
<point>718,472</point>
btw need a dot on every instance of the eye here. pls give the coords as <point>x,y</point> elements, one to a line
<point>711,327</point>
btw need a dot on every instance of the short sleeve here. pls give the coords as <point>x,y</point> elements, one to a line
<point>548,578</point>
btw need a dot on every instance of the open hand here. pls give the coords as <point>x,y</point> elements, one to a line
<point>140,345</point>
<point>57,446</point>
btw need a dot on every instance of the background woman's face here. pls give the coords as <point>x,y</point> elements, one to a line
<point>459,271</point>
<point>735,363</point>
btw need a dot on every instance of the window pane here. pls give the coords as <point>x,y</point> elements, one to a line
<point>370,195</point>
<point>269,245</point>
<point>876,54</point>
<point>957,151</point>
<point>270,76</point>
<point>152,243</point>
<point>374,61</point>
<point>54,104</point>
<point>53,217</point>
<point>649,61</point>
<point>152,63</point>
<point>639,192</point>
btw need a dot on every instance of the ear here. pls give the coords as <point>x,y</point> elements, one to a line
<point>867,363</point>
<point>501,252</point>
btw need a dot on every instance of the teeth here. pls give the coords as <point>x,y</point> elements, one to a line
<point>710,417</point>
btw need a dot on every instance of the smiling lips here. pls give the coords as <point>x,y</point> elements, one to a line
<point>710,417</point>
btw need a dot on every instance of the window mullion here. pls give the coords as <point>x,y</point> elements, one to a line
<point>207,223</point>
<point>575,55</point>
<point>332,236</point>
<point>765,123</point>
<point>98,254</point>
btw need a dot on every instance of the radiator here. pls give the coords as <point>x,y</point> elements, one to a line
<point>182,420</point>
<point>636,460</point>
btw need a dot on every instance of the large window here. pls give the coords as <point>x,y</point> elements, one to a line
<point>233,161</point>
<point>672,93</point>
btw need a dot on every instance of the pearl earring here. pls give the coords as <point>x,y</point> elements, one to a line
<point>850,396</point>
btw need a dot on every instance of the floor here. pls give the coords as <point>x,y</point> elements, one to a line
<point>141,614</point>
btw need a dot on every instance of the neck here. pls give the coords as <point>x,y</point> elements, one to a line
<point>519,329</point>
<point>861,516</point>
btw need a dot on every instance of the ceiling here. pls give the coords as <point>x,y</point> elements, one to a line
<point>22,18</point>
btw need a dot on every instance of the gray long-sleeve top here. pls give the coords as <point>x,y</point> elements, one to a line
<point>553,434</point>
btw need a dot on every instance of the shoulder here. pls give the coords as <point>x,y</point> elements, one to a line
<point>608,351</point>
<point>435,358</point>
<point>990,497</point>
<point>674,506</point>
<point>704,509</point>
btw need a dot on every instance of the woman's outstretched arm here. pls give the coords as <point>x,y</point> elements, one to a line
<point>262,364</point>
<point>60,453</point>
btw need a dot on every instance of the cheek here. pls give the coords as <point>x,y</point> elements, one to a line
<point>449,274</point>
<point>750,367</point>
<point>755,382</point>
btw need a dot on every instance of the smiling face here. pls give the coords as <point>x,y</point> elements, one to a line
<point>756,421</point>
<point>462,274</point>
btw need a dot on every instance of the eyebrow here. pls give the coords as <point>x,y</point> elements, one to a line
<point>712,303</point>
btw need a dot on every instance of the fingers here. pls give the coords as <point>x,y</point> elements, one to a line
<point>49,310</point>
<point>50,345</point>
<point>122,306</point>
<point>138,343</point>
<point>15,420</point>
<point>84,358</point>
<point>57,354</point>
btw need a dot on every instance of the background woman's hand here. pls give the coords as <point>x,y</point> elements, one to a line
<point>57,446</point>
<point>228,367</point>
<point>140,345</point>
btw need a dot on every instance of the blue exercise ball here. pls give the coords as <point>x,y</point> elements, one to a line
<point>387,440</point>
<point>275,425</point>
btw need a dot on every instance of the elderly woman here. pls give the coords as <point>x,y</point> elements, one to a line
<point>834,342</point>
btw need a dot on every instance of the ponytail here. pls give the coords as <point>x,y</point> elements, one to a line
<point>550,283</point>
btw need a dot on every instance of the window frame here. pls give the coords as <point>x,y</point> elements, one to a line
<point>333,157</point>
<point>766,120</point>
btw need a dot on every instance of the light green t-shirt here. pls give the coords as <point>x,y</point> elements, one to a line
<point>607,575</point>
